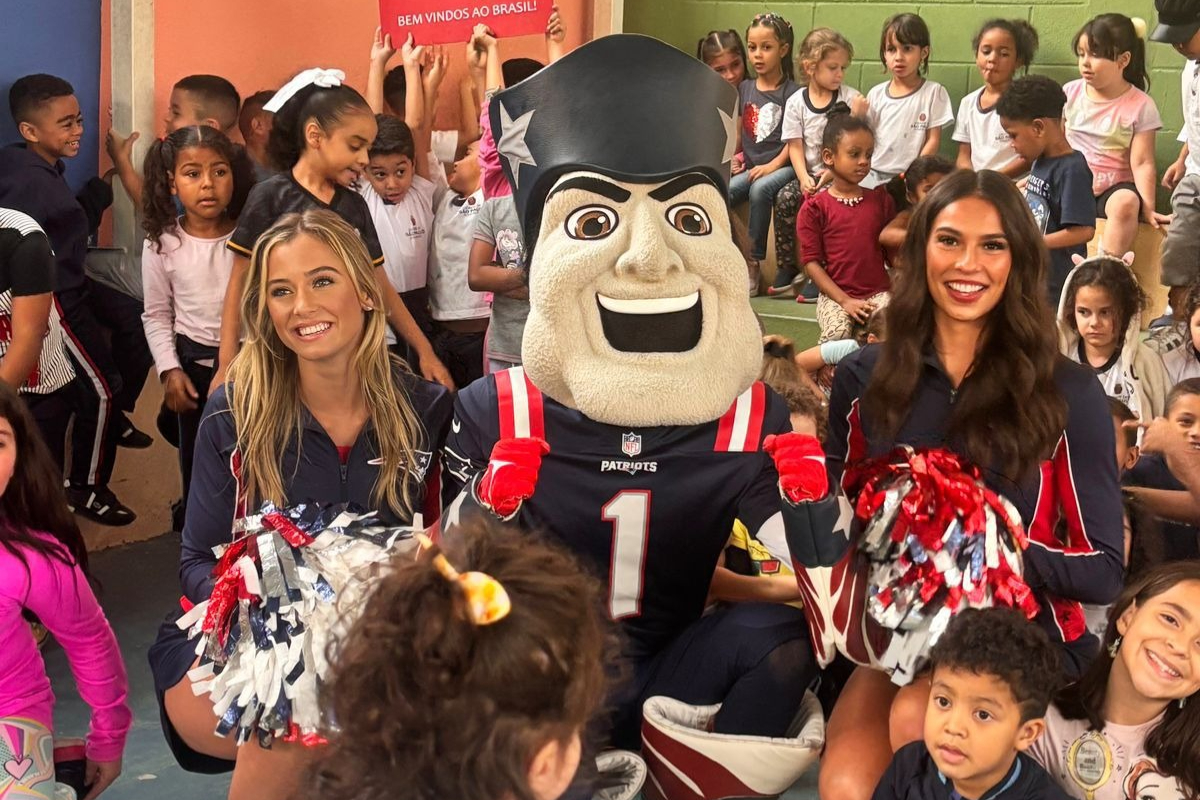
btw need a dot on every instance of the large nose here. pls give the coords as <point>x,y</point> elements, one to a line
<point>647,256</point>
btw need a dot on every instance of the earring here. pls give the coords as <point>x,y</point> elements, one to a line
<point>1114,647</point>
<point>368,308</point>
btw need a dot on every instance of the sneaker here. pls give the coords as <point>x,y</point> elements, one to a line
<point>131,437</point>
<point>808,294</point>
<point>781,292</point>
<point>99,504</point>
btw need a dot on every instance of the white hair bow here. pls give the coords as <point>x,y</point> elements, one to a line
<point>325,78</point>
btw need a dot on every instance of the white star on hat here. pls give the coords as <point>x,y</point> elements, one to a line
<point>512,141</point>
<point>730,124</point>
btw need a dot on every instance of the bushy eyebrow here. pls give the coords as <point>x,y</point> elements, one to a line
<point>595,186</point>
<point>678,185</point>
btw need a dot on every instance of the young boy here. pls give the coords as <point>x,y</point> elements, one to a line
<point>31,181</point>
<point>254,123</point>
<point>993,676</point>
<point>499,265</point>
<point>1179,26</point>
<point>1059,189</point>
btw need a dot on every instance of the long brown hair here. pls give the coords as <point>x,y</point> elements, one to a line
<point>429,705</point>
<point>1175,742</point>
<point>1009,413</point>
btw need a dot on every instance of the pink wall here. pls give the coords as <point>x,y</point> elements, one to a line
<point>259,44</point>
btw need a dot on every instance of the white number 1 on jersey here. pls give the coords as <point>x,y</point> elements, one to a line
<point>629,512</point>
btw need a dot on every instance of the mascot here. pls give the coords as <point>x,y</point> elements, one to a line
<point>636,432</point>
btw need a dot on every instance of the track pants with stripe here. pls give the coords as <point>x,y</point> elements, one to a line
<point>97,381</point>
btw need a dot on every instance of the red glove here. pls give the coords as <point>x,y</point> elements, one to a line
<point>511,474</point>
<point>801,465</point>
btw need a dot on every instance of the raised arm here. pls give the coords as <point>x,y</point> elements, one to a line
<point>381,52</point>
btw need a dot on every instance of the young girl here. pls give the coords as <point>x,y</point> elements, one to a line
<point>725,53</point>
<point>1002,47</point>
<point>1099,325</point>
<point>185,267</point>
<point>43,570</point>
<point>1133,715</point>
<point>1184,361</point>
<point>824,58</point>
<point>1111,120</point>
<point>838,230</point>
<point>908,111</point>
<point>322,129</point>
<point>765,168</point>
<point>433,700</point>
<point>921,176</point>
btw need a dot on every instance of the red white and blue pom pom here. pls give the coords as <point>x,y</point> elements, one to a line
<point>289,585</point>
<point>938,540</point>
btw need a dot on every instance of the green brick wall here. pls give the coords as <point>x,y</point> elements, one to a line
<point>952,23</point>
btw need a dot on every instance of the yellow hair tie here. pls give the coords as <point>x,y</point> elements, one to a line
<point>487,600</point>
<point>1139,27</point>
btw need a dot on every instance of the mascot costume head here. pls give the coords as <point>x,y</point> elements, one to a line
<point>619,158</point>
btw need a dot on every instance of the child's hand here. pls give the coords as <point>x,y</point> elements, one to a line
<point>825,178</point>
<point>381,48</point>
<point>476,56</point>
<point>1157,220</point>
<point>1174,175</point>
<point>1158,435</point>
<point>555,32</point>
<point>99,775</point>
<point>738,165</point>
<point>437,62</point>
<point>858,106</point>
<point>807,184</point>
<point>483,37</point>
<point>411,54</point>
<point>120,148</point>
<point>179,393</point>
<point>857,310</point>
<point>761,171</point>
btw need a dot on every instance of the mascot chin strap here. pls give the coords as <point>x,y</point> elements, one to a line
<point>688,762</point>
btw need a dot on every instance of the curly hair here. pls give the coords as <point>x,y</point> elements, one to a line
<point>1032,97</point>
<point>1001,643</point>
<point>159,214</point>
<point>1114,277</point>
<point>816,45</point>
<point>783,33</point>
<point>1024,36</point>
<point>430,705</point>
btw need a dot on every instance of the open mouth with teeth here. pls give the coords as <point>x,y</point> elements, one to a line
<point>655,325</point>
<point>313,330</point>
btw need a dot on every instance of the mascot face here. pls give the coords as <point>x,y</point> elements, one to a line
<point>638,307</point>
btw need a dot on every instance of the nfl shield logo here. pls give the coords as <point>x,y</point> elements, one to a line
<point>631,444</point>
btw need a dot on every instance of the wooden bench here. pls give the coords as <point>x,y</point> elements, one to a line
<point>1147,266</point>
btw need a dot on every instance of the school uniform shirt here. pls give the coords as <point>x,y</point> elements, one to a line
<point>913,775</point>
<point>497,225</point>
<point>991,147</point>
<point>900,125</point>
<point>1102,765</point>
<point>803,120</point>
<point>1182,363</point>
<point>1082,562</point>
<point>282,194</point>
<point>1059,193</point>
<point>1189,133</point>
<point>27,269</point>
<point>404,230</point>
<point>762,120</point>
<point>450,297</point>
<point>844,239</point>
<point>1103,130</point>
<point>183,285</point>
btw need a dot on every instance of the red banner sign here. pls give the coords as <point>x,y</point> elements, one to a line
<point>452,21</point>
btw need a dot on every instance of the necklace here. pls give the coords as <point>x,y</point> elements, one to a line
<point>848,201</point>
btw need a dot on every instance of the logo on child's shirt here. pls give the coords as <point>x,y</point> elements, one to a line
<point>415,231</point>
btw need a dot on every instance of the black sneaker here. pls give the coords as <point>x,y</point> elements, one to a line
<point>99,504</point>
<point>131,437</point>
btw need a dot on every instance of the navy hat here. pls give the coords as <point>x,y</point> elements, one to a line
<point>1178,20</point>
<point>626,106</point>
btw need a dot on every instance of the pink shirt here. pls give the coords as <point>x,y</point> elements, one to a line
<point>184,289</point>
<point>63,601</point>
<point>1103,130</point>
<point>494,182</point>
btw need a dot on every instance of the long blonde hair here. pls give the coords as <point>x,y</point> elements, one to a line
<point>263,384</point>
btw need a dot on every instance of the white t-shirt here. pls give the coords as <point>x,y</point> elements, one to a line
<point>803,120</point>
<point>900,125</point>
<point>404,229</point>
<point>450,297</point>
<point>1182,363</point>
<point>1095,765</point>
<point>991,147</point>
<point>444,145</point>
<point>1190,132</point>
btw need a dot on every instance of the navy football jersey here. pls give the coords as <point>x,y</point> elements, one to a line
<point>649,509</point>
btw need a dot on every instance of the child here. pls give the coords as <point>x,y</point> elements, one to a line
<point>1111,120</point>
<point>765,167</point>
<point>185,267</point>
<point>1059,189</point>
<point>725,53</point>
<point>838,230</point>
<point>1002,46</point>
<point>321,129</point>
<point>1184,361</point>
<point>499,264</point>
<point>921,176</point>
<point>43,570</point>
<point>1179,25</point>
<point>824,58</point>
<point>1099,325</point>
<point>255,126</point>
<point>48,118</point>
<point>460,314</point>
<point>907,111</point>
<point>993,676</point>
<point>819,362</point>
<point>1135,709</point>
<point>435,699</point>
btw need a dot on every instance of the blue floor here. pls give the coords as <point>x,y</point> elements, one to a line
<point>139,585</point>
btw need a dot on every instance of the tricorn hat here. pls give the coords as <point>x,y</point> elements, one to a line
<point>627,106</point>
<point>1178,20</point>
